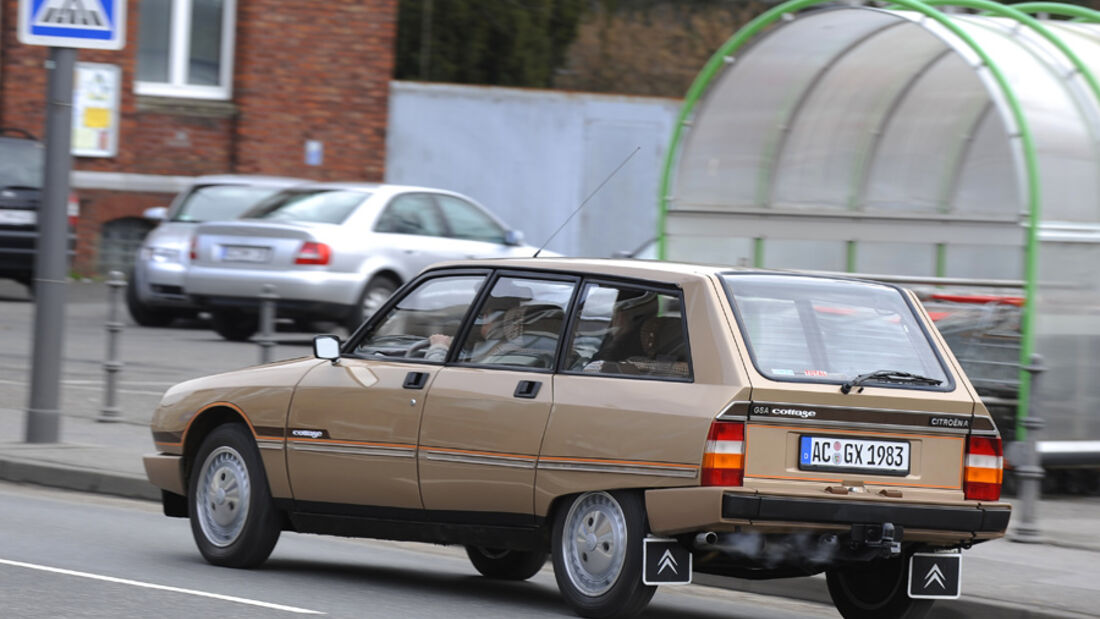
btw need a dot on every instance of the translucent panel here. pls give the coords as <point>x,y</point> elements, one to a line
<point>1068,337</point>
<point>986,182</point>
<point>921,145</point>
<point>735,128</point>
<point>154,40</point>
<point>831,135</point>
<point>815,255</point>
<point>1063,144</point>
<point>896,258</point>
<point>711,249</point>
<point>204,65</point>
<point>984,262</point>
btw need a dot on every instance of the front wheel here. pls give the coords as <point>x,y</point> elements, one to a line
<point>875,590</point>
<point>597,551</point>
<point>234,325</point>
<point>504,564</point>
<point>144,314</point>
<point>233,519</point>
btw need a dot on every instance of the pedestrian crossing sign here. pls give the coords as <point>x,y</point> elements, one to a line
<point>93,24</point>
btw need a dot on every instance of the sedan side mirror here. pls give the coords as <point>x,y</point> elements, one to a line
<point>513,237</point>
<point>158,213</point>
<point>327,347</point>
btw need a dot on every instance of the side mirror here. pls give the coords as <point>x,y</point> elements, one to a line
<point>326,347</point>
<point>513,237</point>
<point>158,213</point>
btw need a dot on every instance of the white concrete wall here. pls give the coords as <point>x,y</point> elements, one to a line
<point>532,156</point>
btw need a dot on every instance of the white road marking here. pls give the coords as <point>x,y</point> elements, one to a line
<point>147,585</point>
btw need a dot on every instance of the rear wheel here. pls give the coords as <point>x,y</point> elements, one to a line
<point>597,551</point>
<point>875,590</point>
<point>504,564</point>
<point>144,314</point>
<point>377,291</point>
<point>234,325</point>
<point>233,519</point>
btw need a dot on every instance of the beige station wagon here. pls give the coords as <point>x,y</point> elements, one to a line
<point>635,421</point>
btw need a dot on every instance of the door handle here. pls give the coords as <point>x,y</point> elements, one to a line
<point>527,389</point>
<point>415,380</point>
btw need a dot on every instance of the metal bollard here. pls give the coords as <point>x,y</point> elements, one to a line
<point>1030,475</point>
<point>112,366</point>
<point>266,339</point>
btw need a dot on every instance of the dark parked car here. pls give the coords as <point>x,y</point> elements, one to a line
<point>22,164</point>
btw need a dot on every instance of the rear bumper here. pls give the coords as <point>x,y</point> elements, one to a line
<point>303,285</point>
<point>682,510</point>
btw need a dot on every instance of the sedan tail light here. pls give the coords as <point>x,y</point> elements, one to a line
<point>983,472</point>
<point>724,454</point>
<point>72,209</point>
<point>313,253</point>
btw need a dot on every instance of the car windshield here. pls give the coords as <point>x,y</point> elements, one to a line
<point>212,202</point>
<point>328,206</point>
<point>21,163</point>
<point>826,330</point>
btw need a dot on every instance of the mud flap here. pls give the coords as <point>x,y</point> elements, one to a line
<point>936,576</point>
<point>666,562</point>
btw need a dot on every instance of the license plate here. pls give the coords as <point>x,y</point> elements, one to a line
<point>20,217</point>
<point>826,453</point>
<point>243,253</point>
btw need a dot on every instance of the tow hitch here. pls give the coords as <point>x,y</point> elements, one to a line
<point>885,536</point>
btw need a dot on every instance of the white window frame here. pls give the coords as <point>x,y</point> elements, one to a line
<point>179,52</point>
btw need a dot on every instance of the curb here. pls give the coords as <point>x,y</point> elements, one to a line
<point>72,478</point>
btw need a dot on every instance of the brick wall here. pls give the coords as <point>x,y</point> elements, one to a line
<point>303,71</point>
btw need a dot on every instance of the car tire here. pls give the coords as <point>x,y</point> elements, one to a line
<point>233,518</point>
<point>234,325</point>
<point>504,564</point>
<point>142,313</point>
<point>876,590</point>
<point>376,292</point>
<point>601,578</point>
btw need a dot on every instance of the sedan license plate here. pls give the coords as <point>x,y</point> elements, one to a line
<point>244,253</point>
<point>825,453</point>
<point>13,217</point>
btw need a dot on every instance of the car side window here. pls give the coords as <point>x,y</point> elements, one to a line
<point>425,321</point>
<point>519,324</point>
<point>467,221</point>
<point>411,213</point>
<point>629,331</point>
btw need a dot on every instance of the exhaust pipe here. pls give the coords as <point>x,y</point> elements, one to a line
<point>707,538</point>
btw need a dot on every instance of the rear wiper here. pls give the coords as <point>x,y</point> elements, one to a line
<point>888,376</point>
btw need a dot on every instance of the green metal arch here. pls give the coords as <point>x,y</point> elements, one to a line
<point>713,66</point>
<point>1058,8</point>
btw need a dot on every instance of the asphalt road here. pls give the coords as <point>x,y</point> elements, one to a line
<point>65,554</point>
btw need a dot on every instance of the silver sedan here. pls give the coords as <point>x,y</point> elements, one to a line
<point>334,251</point>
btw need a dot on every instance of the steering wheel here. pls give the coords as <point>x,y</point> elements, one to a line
<point>418,347</point>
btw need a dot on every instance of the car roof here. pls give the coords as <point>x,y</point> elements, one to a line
<point>387,188</point>
<point>635,268</point>
<point>248,179</point>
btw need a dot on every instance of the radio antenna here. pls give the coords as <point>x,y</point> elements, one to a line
<point>594,192</point>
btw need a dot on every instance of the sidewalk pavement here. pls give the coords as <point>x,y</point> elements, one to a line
<point>1004,579</point>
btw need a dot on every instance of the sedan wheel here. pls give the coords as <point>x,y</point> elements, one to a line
<point>233,519</point>
<point>597,550</point>
<point>505,564</point>
<point>377,292</point>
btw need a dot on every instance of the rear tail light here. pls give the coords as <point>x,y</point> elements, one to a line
<point>983,473</point>
<point>72,209</point>
<point>313,253</point>
<point>724,454</point>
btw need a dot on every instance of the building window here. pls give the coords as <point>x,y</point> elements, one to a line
<point>185,48</point>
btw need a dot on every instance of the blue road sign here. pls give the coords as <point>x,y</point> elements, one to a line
<point>93,24</point>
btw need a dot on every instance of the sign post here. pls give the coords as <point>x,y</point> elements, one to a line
<point>63,25</point>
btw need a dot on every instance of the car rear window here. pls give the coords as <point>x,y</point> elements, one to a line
<point>327,206</point>
<point>21,163</point>
<point>826,330</point>
<point>212,202</point>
